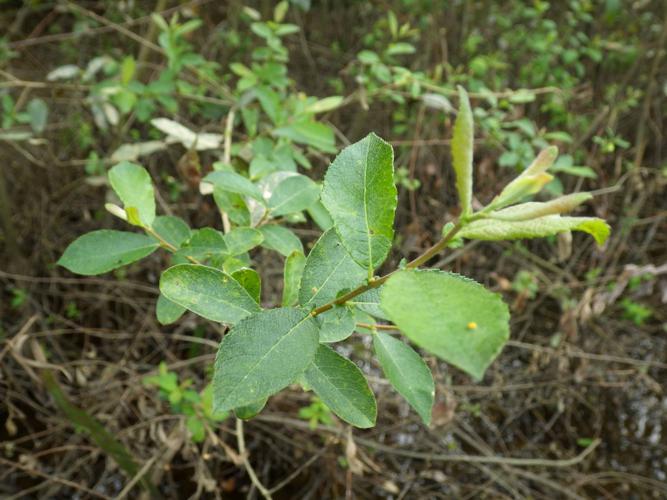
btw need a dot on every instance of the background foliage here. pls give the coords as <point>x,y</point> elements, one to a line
<point>85,85</point>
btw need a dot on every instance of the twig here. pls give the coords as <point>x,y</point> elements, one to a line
<point>128,487</point>
<point>244,454</point>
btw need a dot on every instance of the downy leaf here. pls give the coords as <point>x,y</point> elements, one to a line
<point>104,250</point>
<point>234,183</point>
<point>294,194</point>
<point>242,239</point>
<point>208,292</point>
<point>532,210</point>
<point>294,264</point>
<point>261,355</point>
<point>453,317</point>
<point>494,230</point>
<point>250,280</point>
<point>172,229</point>
<point>280,239</point>
<point>134,187</point>
<point>407,372</point>
<point>336,324</point>
<point>329,270</point>
<point>360,195</point>
<point>341,385</point>
<point>462,151</point>
<point>167,312</point>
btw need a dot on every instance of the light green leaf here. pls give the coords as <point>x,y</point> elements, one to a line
<point>294,264</point>
<point>101,251</point>
<point>342,387</point>
<point>294,194</point>
<point>204,244</point>
<point>38,112</point>
<point>134,187</point>
<point>280,239</point>
<point>311,133</point>
<point>407,372</point>
<point>234,183</point>
<point>167,312</point>
<point>329,270</point>
<point>172,229</point>
<point>233,205</point>
<point>250,280</point>
<point>242,239</point>
<point>127,69</point>
<point>336,324</point>
<point>462,151</point>
<point>208,292</point>
<point>453,317</point>
<point>532,210</point>
<point>494,230</point>
<point>270,102</point>
<point>360,195</point>
<point>326,104</point>
<point>320,216</point>
<point>262,355</point>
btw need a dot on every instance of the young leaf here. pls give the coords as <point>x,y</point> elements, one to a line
<point>462,149</point>
<point>280,239</point>
<point>134,187</point>
<point>208,292</point>
<point>261,355</point>
<point>532,210</point>
<point>329,269</point>
<point>407,372</point>
<point>294,264</point>
<point>101,251</point>
<point>336,324</point>
<point>341,385</point>
<point>453,317</point>
<point>294,194</point>
<point>38,112</point>
<point>250,280</point>
<point>242,239</point>
<point>360,195</point>
<point>234,183</point>
<point>493,230</point>
<point>326,104</point>
<point>167,312</point>
<point>172,229</point>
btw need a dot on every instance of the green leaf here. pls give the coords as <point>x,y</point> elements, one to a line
<point>462,150</point>
<point>196,428</point>
<point>234,183</point>
<point>134,187</point>
<point>360,195</point>
<point>262,355</point>
<point>494,230</point>
<point>320,216</point>
<point>127,69</point>
<point>242,239</point>
<point>168,312</point>
<point>294,264</point>
<point>453,317</point>
<point>38,112</point>
<point>250,280</point>
<point>532,210</point>
<point>342,387</point>
<point>208,292</point>
<point>270,102</point>
<point>336,324</point>
<point>280,239</point>
<point>251,410</point>
<point>369,302</point>
<point>104,250</point>
<point>294,194</point>
<point>172,229</point>
<point>204,244</point>
<point>329,270</point>
<point>311,133</point>
<point>233,205</point>
<point>407,372</point>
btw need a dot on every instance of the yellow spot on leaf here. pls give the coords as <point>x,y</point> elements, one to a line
<point>472,325</point>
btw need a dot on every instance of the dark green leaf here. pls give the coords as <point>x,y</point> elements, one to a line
<point>168,312</point>
<point>250,280</point>
<point>241,239</point>
<point>294,194</point>
<point>336,324</point>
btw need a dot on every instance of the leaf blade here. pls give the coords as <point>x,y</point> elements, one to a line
<point>134,187</point>
<point>462,151</point>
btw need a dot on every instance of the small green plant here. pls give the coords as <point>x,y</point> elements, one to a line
<point>196,406</point>
<point>316,413</point>
<point>635,312</point>
<point>334,290</point>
